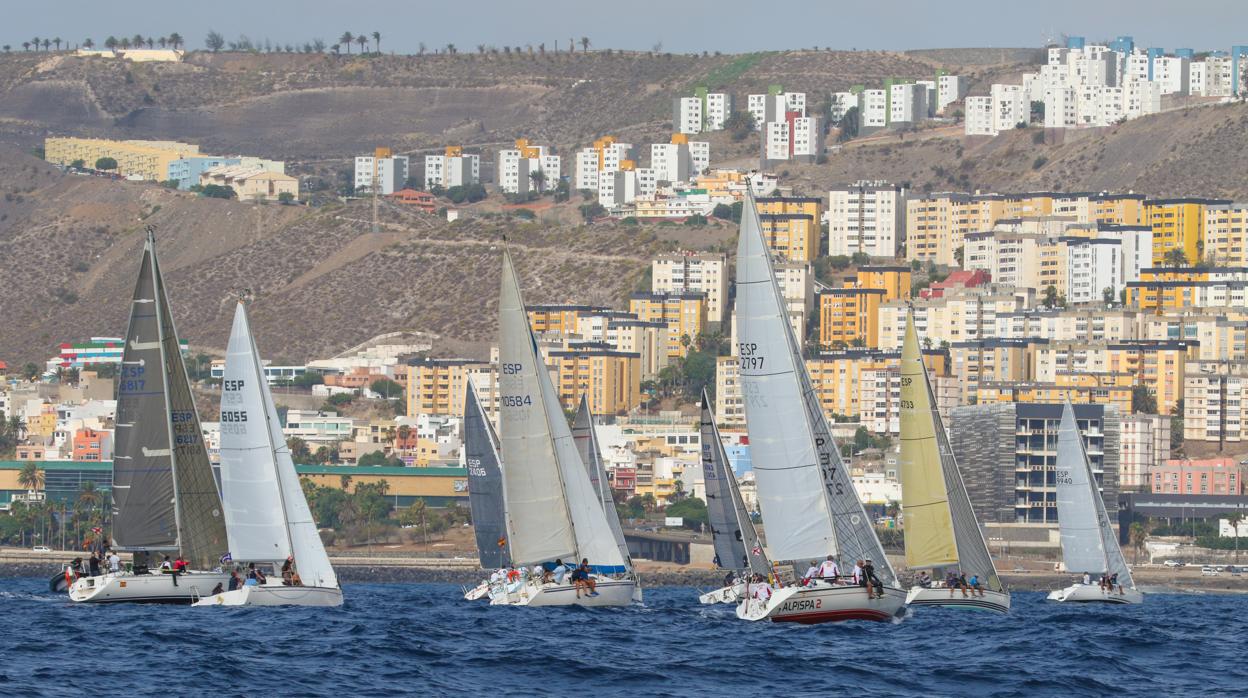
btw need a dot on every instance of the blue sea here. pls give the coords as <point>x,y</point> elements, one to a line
<point>422,639</point>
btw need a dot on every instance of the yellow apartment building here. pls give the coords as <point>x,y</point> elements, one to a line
<point>144,159</point>
<point>1226,234</point>
<point>647,339</point>
<point>1179,224</point>
<point>683,313</point>
<point>1220,336</point>
<point>990,361</point>
<point>1075,390</point>
<point>838,377</point>
<point>558,318</point>
<point>439,386</point>
<point>893,280</point>
<point>1157,365</point>
<point>1166,289</point>
<point>792,226</point>
<point>611,379</point>
<point>849,317</point>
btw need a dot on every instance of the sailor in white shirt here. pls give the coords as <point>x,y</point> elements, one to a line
<point>828,570</point>
<point>856,575</point>
<point>760,590</point>
<point>811,573</point>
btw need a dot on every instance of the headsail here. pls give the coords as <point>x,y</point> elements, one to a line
<point>161,465</point>
<point>1083,547</point>
<point>737,546</point>
<point>586,440</point>
<point>805,491</point>
<point>485,484</point>
<point>267,513</point>
<point>922,437</point>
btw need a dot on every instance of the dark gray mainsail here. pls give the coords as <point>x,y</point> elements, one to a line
<point>485,484</point>
<point>736,542</point>
<point>587,445</point>
<point>165,496</point>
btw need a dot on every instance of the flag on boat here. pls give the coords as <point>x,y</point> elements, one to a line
<point>502,542</point>
<point>227,557</point>
<point>758,550</point>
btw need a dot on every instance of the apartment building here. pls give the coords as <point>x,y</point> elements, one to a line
<point>136,159</point>
<point>673,162</point>
<point>907,103</point>
<point>978,116</point>
<point>791,226</point>
<point>1159,366</point>
<point>864,384</point>
<point>1226,233</point>
<point>969,315</point>
<point>1007,453</point>
<point>526,167</point>
<point>704,111</point>
<point>251,183</point>
<point>611,379</point>
<point>1161,289</point>
<point>849,316</point>
<point>439,386</point>
<point>1221,334</point>
<point>1215,402</point>
<point>868,216</point>
<point>1209,476</point>
<point>647,339</point>
<point>1179,224</point>
<point>454,168</point>
<point>626,184</point>
<point>186,171</point>
<point>1144,445</point>
<point>984,361</point>
<point>683,313</point>
<point>383,169</point>
<point>704,272</point>
<point>729,405</point>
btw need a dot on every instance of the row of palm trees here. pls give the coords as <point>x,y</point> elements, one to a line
<point>361,39</point>
<point>71,526</point>
<point>173,41</point>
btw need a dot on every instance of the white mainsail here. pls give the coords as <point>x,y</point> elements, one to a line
<point>552,509</point>
<point>267,516</point>
<point>1088,543</point>
<point>586,439</point>
<point>804,490</point>
<point>940,525</point>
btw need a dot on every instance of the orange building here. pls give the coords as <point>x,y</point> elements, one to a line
<point>422,200</point>
<point>849,317</point>
<point>92,445</point>
<point>895,281</point>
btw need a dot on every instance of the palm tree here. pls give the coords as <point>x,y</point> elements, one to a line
<point>1175,257</point>
<point>539,179</point>
<point>26,45</point>
<point>175,40</point>
<point>88,44</point>
<point>362,40</point>
<point>1234,520</point>
<point>110,42</point>
<point>347,38</point>
<point>584,43</point>
<point>450,48</point>
<point>137,41</point>
<point>57,41</point>
<point>36,42</point>
<point>30,477</point>
<point>336,49</point>
<point>421,48</point>
<point>481,49</point>
<point>163,42</point>
<point>47,44</point>
<point>1138,534</point>
<point>151,42</point>
<point>7,48</point>
<point>377,42</point>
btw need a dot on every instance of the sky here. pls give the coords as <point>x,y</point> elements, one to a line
<point>731,26</point>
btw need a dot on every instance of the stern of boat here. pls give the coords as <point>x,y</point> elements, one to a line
<point>939,596</point>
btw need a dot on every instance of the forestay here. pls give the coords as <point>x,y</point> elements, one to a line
<point>586,439</point>
<point>485,484</point>
<point>805,492</point>
<point>1083,546</point>
<point>736,542</point>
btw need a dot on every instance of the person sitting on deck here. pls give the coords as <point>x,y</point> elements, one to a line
<point>288,571</point>
<point>855,575</point>
<point>513,575</point>
<point>873,582</point>
<point>811,573</point>
<point>951,582</point>
<point>962,583</point>
<point>219,588</point>
<point>976,587</point>
<point>828,570</point>
<point>760,590</point>
<point>925,579</point>
<point>730,579</point>
<point>254,576</point>
<point>236,582</point>
<point>1113,582</point>
<point>581,578</point>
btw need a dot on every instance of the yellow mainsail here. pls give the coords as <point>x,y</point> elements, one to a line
<point>924,498</point>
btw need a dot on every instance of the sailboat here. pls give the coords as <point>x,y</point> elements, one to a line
<point>1089,545</point>
<point>485,491</point>
<point>736,542</point>
<point>941,531</point>
<point>267,518</point>
<point>553,509</point>
<point>807,499</point>
<point>165,499</point>
<point>586,440</point>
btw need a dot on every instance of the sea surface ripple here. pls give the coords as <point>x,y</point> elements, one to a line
<point>422,639</point>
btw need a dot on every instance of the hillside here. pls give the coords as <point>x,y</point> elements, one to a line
<point>321,280</point>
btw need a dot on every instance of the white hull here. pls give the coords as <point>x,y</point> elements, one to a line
<point>146,588</point>
<point>1084,593</point>
<point>730,594</point>
<point>480,591</point>
<point>276,595</point>
<point>611,592</point>
<point>824,603</point>
<point>953,598</point>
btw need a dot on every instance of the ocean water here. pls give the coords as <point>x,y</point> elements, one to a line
<point>422,639</point>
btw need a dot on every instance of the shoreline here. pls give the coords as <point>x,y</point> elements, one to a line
<point>419,572</point>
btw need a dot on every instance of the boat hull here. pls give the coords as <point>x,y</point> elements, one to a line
<point>480,591</point>
<point>938,596</point>
<point>276,595</point>
<point>145,588</point>
<point>1093,593</point>
<point>611,592</point>
<point>824,603</point>
<point>730,594</point>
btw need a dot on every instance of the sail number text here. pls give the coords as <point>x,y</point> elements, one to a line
<point>131,379</point>
<point>829,470</point>
<point>749,358</point>
<point>516,400</point>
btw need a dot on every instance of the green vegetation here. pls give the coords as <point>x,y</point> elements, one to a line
<point>691,509</point>
<point>216,191</point>
<point>696,219</point>
<point>106,164</point>
<point>726,212</point>
<point>471,193</point>
<point>78,164</point>
<point>379,458</point>
<point>592,211</point>
<point>729,72</point>
<point>286,197</point>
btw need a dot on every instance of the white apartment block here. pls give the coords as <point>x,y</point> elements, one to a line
<point>1009,108</point>
<point>1196,78</point>
<point>1143,443</point>
<point>1093,265</point>
<point>729,405</point>
<point>700,156</point>
<point>797,285</point>
<point>866,216</point>
<point>908,103</point>
<point>776,140</point>
<point>949,89</point>
<point>452,170</point>
<point>671,162</point>
<point>390,173</point>
<point>873,110</point>
<point>622,187</point>
<point>1141,98</point>
<point>1173,74</point>
<point>594,164</point>
<point>586,175</point>
<point>514,174</point>
<point>684,272</point>
<point>718,109</point>
<point>687,114</point>
<point>979,117</point>
<point>841,103</point>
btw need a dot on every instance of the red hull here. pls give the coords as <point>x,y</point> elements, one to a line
<point>834,616</point>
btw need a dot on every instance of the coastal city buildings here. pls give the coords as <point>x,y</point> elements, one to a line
<point>454,168</point>
<point>383,172</point>
<point>867,217</point>
<point>526,168</point>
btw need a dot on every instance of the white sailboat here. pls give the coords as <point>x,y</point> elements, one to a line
<point>1089,545</point>
<point>485,492</point>
<point>267,518</point>
<point>808,502</point>
<point>941,531</point>
<point>165,499</point>
<point>736,542</point>
<point>553,510</point>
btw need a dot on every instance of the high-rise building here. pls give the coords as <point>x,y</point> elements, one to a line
<point>866,216</point>
<point>704,272</point>
<point>454,168</point>
<point>388,170</point>
<point>518,168</point>
<point>792,226</point>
